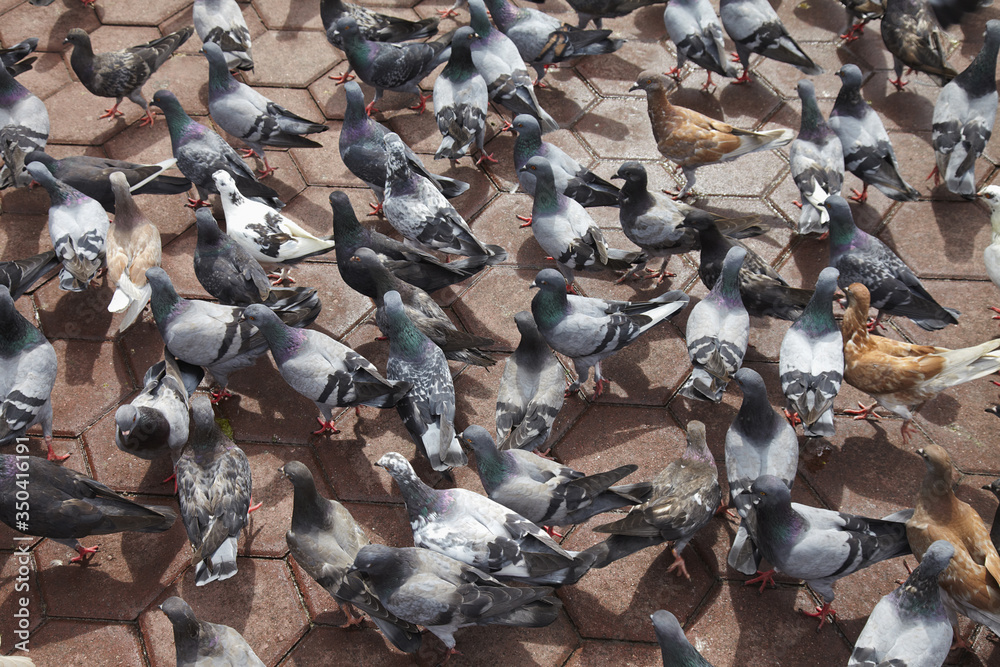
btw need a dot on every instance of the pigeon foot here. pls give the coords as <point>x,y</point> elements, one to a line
<point>111,113</point>
<point>84,554</point>
<point>762,578</point>
<point>793,418</point>
<point>148,119</point>
<point>446,13</point>
<point>326,427</point>
<point>553,533</point>
<point>376,208</point>
<point>421,106</point>
<point>899,83</point>
<point>674,73</point>
<point>527,223</point>
<point>342,78</point>
<point>936,175</point>
<point>821,613</point>
<point>679,566</point>
<point>863,411</point>
<point>488,157</point>
<point>51,453</point>
<point>197,203</point>
<point>254,508</point>
<point>860,197</point>
<point>220,395</point>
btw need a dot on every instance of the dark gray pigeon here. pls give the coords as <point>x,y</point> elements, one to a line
<point>121,74</point>
<point>994,488</point>
<point>531,390</point>
<point>695,30</point>
<point>201,152</point>
<point>816,544</point>
<point>428,409</point>
<point>811,361</point>
<point>755,28</point>
<point>15,58</point>
<point>373,25</point>
<point>684,498</point>
<point>224,268</point>
<point>67,505</point>
<point>214,490</point>
<point>249,116</point>
<point>909,627</point>
<point>19,275</point>
<point>590,330</point>
<point>674,646</point>
<point>963,118</point>
<point>461,102</point>
<point>24,127</point>
<point>482,533</point>
<point>596,10</point>
<point>916,40</point>
<point>443,594</point>
<point>324,539</point>
<point>817,161</point>
<point>867,151</point>
<point>204,644</point>
<point>221,22</point>
<point>895,290</point>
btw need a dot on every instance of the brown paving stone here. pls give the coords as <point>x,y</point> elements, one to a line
<point>47,75</point>
<point>77,315</point>
<point>619,129</point>
<point>335,647</point>
<point>550,645</point>
<point>49,24</point>
<point>79,643</point>
<point>627,654</point>
<point>290,15</point>
<point>186,75</point>
<point>96,368</point>
<point>276,64</point>
<point>19,581</point>
<point>129,13</point>
<point>74,111</point>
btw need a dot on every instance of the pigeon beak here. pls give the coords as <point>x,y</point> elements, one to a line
<point>533,285</point>
<point>282,470</point>
<point>524,168</point>
<point>66,41</point>
<point>355,259</point>
<point>922,453</point>
<point>986,488</point>
<point>352,568</point>
<point>635,86</point>
<point>616,177</point>
<point>125,433</point>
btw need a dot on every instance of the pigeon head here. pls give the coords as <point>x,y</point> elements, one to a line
<point>260,315</point>
<point>489,460</point>
<point>526,325</point>
<point>545,188</point>
<point>731,266</point>
<point>219,77</point>
<point>675,647</point>
<point>697,442</point>
<point>859,299</point>
<point>375,560</point>
<point>226,185</point>
<point>347,231</point>
<point>631,172</point>
<point>654,81</point>
<point>527,124</point>
<point>127,419</point>
<point>202,418</point>
<point>42,157</point>
<point>940,473</point>
<point>769,491</point>
<point>994,488</point>
<point>991,195</point>
<point>126,212</point>
<point>299,475</point>
<point>550,280</point>
<point>382,278</point>
<point>347,30</point>
<point>478,18</point>
<point>78,38</point>
<point>478,439</point>
<point>164,298</point>
<point>813,125</point>
<point>40,173</point>
<point>461,50</point>
<point>397,466</point>
<point>165,100</point>
<point>935,560</point>
<point>805,89</point>
<point>181,617</point>
<point>396,164</point>
<point>850,76</point>
<point>177,118</point>
<point>698,220</point>
<point>208,229</point>
<point>842,226</point>
<point>818,315</point>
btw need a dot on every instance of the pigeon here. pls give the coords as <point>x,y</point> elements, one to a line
<point>221,22</point>
<point>78,227</point>
<point>695,30</point>
<point>227,271</point>
<point>157,420</point>
<point>755,28</point>
<point>909,626</point>
<point>67,505</point>
<point>994,488</point>
<point>121,74</point>
<point>249,116</point>
<point>811,361</point>
<point>684,498</point>
<point>895,290</point>
<point>322,369</point>
<point>691,139</point>
<point>414,266</point>
<point>817,544</point>
<point>718,332</point>
<point>19,275</point>
<point>461,102</point>
<point>963,118</point>
<point>133,247</point>
<point>817,161</point>
<point>764,292</point>
<point>571,178</point>
<point>546,492</point>
<point>969,583</point>
<point>443,594</point>
<point>213,487</point>
<point>597,10</point>
<point>428,409</point>
<point>15,59</point>
<point>867,151</point>
<point>27,375</point>
<point>92,176</point>
<point>482,533</point>
<point>423,312</point>
<point>950,12</point>
<point>383,66</point>
<point>677,651</point>
<point>419,211</point>
<point>590,330</point>
<point>545,40</point>
<point>531,390</point>
<point>859,14</point>
<point>565,230</point>
<point>991,255</point>
<point>498,61</point>
<point>324,539</point>
<point>24,127</point>
<point>200,152</point>
<point>207,334</point>
<point>200,643</point>
<point>374,26</point>
<point>269,236</point>
<point>902,376</point>
<point>362,148</point>
<point>916,40</point>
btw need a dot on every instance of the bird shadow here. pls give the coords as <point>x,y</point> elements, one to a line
<point>959,241</point>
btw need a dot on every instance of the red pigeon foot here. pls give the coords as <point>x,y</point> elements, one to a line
<point>248,153</point>
<point>267,170</point>
<point>860,197</point>
<point>277,278</point>
<point>351,618</point>
<point>488,157</point>
<point>111,113</point>
<point>326,427</point>
<point>445,13</point>
<point>51,454</point>
<point>506,126</point>
<point>553,533</point>
<point>743,78</point>
<point>571,290</point>
<point>342,78</point>
<point>796,203</point>
<point>526,221</point>
<point>197,203</point>
<point>599,386</point>
<point>723,508</point>
<point>899,83</point>
<point>679,566</point>
<point>376,208</point>
<point>254,508</point>
<point>863,411</point>
<point>220,395</point>
<point>995,310</point>
<point>821,613</point>
<point>708,86</point>
<point>545,454</point>
<point>421,106</point>
<point>83,554</point>
<point>762,578</point>
<point>673,72</point>
<point>370,109</point>
<point>148,119</point>
<point>793,418</point>
<point>875,323</point>
<point>936,175</point>
<point>907,431</point>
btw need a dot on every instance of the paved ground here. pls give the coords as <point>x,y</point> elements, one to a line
<point>106,613</point>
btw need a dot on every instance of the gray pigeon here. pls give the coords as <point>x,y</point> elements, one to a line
<point>428,409</point>
<point>963,118</point>
<point>674,646</point>
<point>482,533</point>
<point>24,120</point>
<point>443,594</point>
<point>596,10</point>
<point>531,390</point>
<point>590,330</point>
<point>755,28</point>
<point>718,332</point>
<point>685,497</point>
<point>213,487</point>
<point>909,627</point>
<point>121,74</point>
<point>373,25</point>
<point>15,58</point>
<point>249,116</point>
<point>695,30</point>
<point>816,544</point>
<point>862,258</point>
<point>461,102</point>
<point>67,505</point>
<point>221,22</point>
<point>78,227</point>
<point>817,161</point>
<point>916,40</point>
<point>324,539</point>
<point>811,361</point>
<point>204,644</point>
<point>994,488</point>
<point>867,151</point>
<point>19,275</point>
<point>322,369</point>
<point>27,375</point>
<point>227,271</point>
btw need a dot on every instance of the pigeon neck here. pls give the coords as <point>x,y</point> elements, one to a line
<point>854,327</point>
<point>178,121</point>
<point>937,501</point>
<point>532,344</point>
<point>307,506</point>
<point>713,243</point>
<point>165,304</point>
<point>348,234</point>
<point>460,67</point>
<point>127,214</point>
<point>405,340</point>
<point>546,196</point>
<point>818,315</point>
<point>480,22</point>
<point>384,279</point>
<point>357,49</point>
<point>526,145</point>
<point>813,125</point>
<point>548,308</point>
<point>10,90</point>
<point>187,631</point>
<point>219,78</point>
<point>283,340</point>
<point>634,192</point>
<point>420,499</point>
<point>504,14</point>
<point>696,451</point>
<point>920,596</point>
<point>979,78</point>
<point>16,333</point>
<point>82,58</point>
<point>756,417</point>
<point>849,99</point>
<point>779,524</point>
<point>727,287</point>
<point>492,467</point>
<point>843,235</point>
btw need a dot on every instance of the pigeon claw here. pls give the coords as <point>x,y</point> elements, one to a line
<point>743,78</point>
<point>148,119</point>
<point>370,108</point>
<point>708,86</point>
<point>84,554</point>
<point>997,311</point>
<point>487,157</point>
<point>553,533</point>
<point>421,106</point>
<point>674,73</point>
<point>599,386</point>
<point>821,613</point>
<point>899,83</point>
<point>762,578</point>
<point>854,32</point>
<point>111,113</point>
<point>51,453</point>
<point>248,153</point>
<point>254,508</point>
<point>326,427</point>
<point>446,13</point>
<point>860,197</point>
<point>796,203</point>
<point>342,78</point>
<point>793,418</point>
<point>351,618</point>
<point>376,208</point>
<point>863,411</point>
<point>679,566</point>
<point>907,431</point>
<point>527,222</point>
<point>506,126</point>
<point>936,175</point>
<point>197,203</point>
<point>220,395</point>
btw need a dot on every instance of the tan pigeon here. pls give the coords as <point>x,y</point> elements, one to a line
<point>133,247</point>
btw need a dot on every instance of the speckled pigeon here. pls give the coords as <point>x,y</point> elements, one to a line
<point>817,161</point>
<point>201,644</point>
<point>221,22</point>
<point>461,102</point>
<point>676,650</point>
<point>133,247</point>
<point>755,28</point>
<point>19,275</point>
<point>373,25</point>
<point>695,30</point>
<point>916,40</point>
<point>24,127</point>
<point>895,290</point>
<point>15,58</point>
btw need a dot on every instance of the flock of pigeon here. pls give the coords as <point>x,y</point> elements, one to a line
<point>495,559</point>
